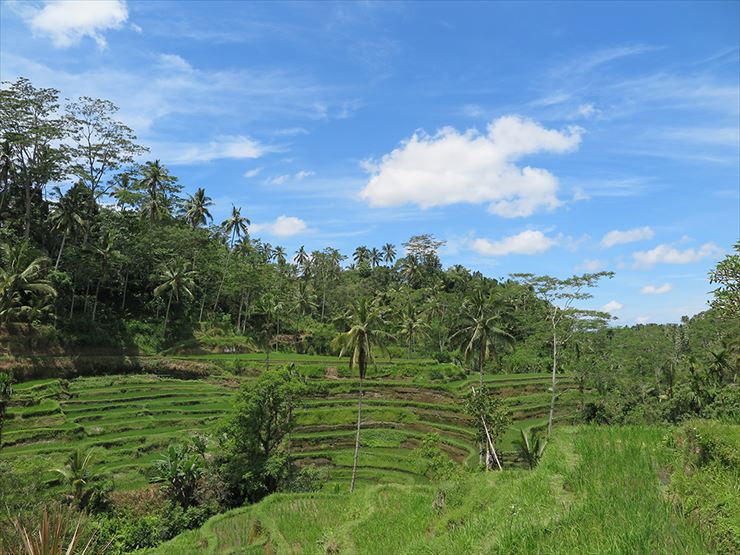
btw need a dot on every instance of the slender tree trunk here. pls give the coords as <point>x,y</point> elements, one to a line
<point>125,287</point>
<point>72,304</point>
<point>554,381</point>
<point>167,315</point>
<point>27,223</point>
<point>202,306</point>
<point>490,445</point>
<point>95,301</point>
<point>87,297</point>
<point>61,248</point>
<point>357,438</point>
<point>480,361</point>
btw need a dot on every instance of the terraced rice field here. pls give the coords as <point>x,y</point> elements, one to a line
<point>131,419</point>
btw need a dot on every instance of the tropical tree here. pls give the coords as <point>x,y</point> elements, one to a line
<point>366,322</point>
<point>491,421</point>
<point>361,255</point>
<point>530,447</point>
<point>235,225</point>
<point>159,187</point>
<point>67,218</point>
<point>105,253</point>
<point>389,253</point>
<point>18,277</point>
<point>413,325</point>
<point>196,209</point>
<point>279,255</point>
<point>178,280</point>
<point>483,328</point>
<point>375,257</point>
<point>726,274</point>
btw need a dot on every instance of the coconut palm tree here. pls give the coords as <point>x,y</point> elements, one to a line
<point>364,334</point>
<point>159,185</point>
<point>236,224</point>
<point>67,218</point>
<point>375,257</point>
<point>361,254</point>
<point>178,280</point>
<point>413,325</point>
<point>18,277</point>
<point>196,208</point>
<point>105,253</point>
<point>389,253</point>
<point>482,330</point>
<point>279,255</point>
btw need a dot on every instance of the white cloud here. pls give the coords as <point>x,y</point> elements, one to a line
<point>653,290</point>
<point>68,21</point>
<point>617,237</point>
<point>303,174</point>
<point>283,226</point>
<point>175,62</point>
<point>612,306</point>
<point>642,319</point>
<point>226,146</point>
<point>590,265</point>
<point>526,242</point>
<point>666,254</point>
<point>254,172</point>
<point>278,180</point>
<point>452,167</point>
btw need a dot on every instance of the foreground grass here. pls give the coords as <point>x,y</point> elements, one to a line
<point>597,490</point>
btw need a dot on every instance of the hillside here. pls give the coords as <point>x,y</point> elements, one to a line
<point>131,419</point>
<point>599,490</point>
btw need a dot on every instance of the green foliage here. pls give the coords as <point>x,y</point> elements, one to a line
<point>434,463</point>
<point>180,470</point>
<point>530,447</point>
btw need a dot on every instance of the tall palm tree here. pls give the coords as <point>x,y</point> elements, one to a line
<point>67,218</point>
<point>104,253</point>
<point>236,224</point>
<point>77,474</point>
<point>158,184</point>
<point>178,280</point>
<point>301,257</point>
<point>389,253</point>
<point>279,255</point>
<point>361,254</point>
<point>365,333</point>
<point>196,208</point>
<point>18,277</point>
<point>413,325</point>
<point>482,332</point>
<point>375,257</point>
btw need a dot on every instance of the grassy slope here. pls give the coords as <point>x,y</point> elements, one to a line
<point>597,491</point>
<point>131,419</point>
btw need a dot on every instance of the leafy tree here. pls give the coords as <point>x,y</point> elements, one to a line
<point>413,325</point>
<point>563,317</point>
<point>366,322</point>
<point>491,421</point>
<point>254,460</point>
<point>726,274</point>
<point>434,462</point>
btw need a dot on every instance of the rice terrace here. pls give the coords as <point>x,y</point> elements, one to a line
<point>369,278</point>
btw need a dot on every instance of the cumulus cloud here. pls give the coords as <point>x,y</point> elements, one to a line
<point>612,306</point>
<point>667,254</point>
<point>225,146</point>
<point>653,290</point>
<point>526,242</point>
<point>617,237</point>
<point>69,21</point>
<point>452,167</point>
<point>283,226</point>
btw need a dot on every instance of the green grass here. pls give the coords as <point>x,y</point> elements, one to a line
<point>597,491</point>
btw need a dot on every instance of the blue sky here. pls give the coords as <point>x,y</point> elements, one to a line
<point>550,138</point>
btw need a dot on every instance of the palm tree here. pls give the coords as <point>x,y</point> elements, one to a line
<point>178,280</point>
<point>77,474</point>
<point>482,332</point>
<point>413,324</point>
<point>158,183</point>
<point>18,277</point>
<point>65,217</point>
<point>302,258</point>
<point>280,255</point>
<point>196,209</point>
<point>389,253</point>
<point>365,333</point>
<point>530,447</point>
<point>104,253</point>
<point>375,257</point>
<point>236,225</point>
<point>361,254</point>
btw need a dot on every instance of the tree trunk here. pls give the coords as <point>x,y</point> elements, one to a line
<point>481,360</point>
<point>61,248</point>
<point>554,381</point>
<point>167,315</point>
<point>27,223</point>
<point>72,304</point>
<point>95,301</point>
<point>490,445</point>
<point>357,438</point>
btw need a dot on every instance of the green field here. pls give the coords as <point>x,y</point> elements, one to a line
<point>131,419</point>
<point>597,490</point>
